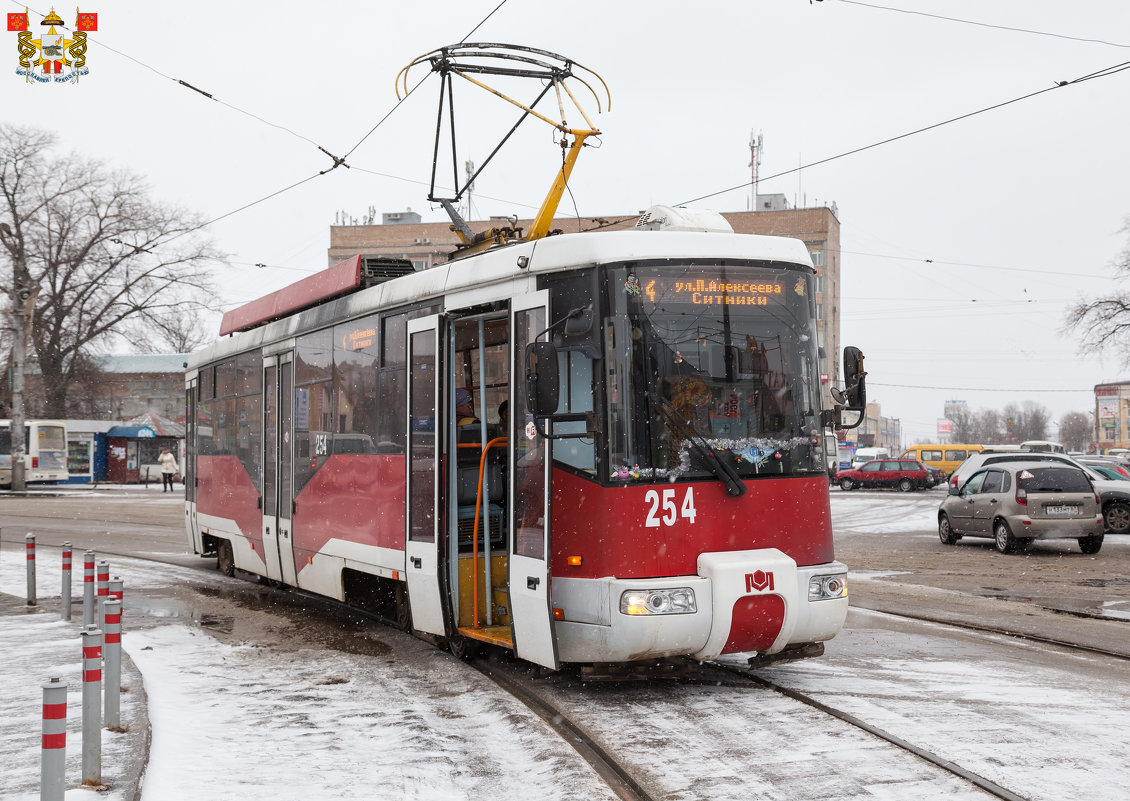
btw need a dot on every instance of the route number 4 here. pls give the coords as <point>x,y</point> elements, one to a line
<point>670,514</point>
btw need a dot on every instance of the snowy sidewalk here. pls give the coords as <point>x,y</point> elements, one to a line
<point>38,646</point>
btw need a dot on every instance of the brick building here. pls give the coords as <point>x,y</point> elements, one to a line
<point>116,387</point>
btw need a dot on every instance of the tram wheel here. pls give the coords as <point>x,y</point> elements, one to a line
<point>1002,535</point>
<point>225,560</point>
<point>463,647</point>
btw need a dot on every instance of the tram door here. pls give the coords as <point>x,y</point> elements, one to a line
<point>424,495</point>
<point>531,613</point>
<point>278,453</point>
<point>190,423</point>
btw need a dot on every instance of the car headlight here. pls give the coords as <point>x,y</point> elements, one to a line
<point>821,588</point>
<point>676,601</point>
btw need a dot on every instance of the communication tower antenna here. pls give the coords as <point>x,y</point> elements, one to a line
<point>756,146</point>
<point>469,166</point>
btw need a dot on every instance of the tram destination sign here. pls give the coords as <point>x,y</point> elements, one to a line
<point>699,291</point>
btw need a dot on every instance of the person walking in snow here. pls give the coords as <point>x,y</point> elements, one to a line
<point>169,469</point>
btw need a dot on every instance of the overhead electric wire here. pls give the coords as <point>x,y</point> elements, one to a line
<point>1103,73</point>
<point>408,93</point>
<point>984,24</point>
<point>337,161</point>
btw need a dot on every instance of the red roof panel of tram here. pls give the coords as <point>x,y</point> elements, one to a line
<point>342,278</point>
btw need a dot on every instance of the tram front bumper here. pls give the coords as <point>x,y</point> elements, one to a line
<point>744,601</point>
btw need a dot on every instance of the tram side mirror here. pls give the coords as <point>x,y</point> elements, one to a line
<point>855,385</point>
<point>579,333</point>
<point>541,379</point>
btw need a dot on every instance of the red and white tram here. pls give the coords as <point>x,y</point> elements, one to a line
<point>658,488</point>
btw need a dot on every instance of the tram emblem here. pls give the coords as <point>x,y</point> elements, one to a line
<point>758,580</point>
<point>43,59</point>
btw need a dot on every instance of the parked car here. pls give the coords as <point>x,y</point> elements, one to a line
<point>937,475</point>
<point>903,474</point>
<point>1018,502</point>
<point>1107,471</point>
<point>1112,462</point>
<point>1114,495</point>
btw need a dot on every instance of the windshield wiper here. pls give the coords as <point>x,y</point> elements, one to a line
<point>725,473</point>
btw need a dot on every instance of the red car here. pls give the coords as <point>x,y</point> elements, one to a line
<point>904,474</point>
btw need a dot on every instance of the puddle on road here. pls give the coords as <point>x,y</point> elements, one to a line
<point>259,614</point>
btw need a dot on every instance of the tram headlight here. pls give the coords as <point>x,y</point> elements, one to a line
<point>675,601</point>
<point>822,588</point>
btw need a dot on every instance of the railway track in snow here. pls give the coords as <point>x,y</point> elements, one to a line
<point>622,774</point>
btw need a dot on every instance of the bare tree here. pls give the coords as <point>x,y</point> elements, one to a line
<point>98,253</point>
<point>1104,323</point>
<point>987,426</point>
<point>1026,422</point>
<point>1075,432</point>
<point>963,426</point>
<point>175,330</point>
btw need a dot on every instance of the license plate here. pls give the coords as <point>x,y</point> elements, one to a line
<point>1062,510</point>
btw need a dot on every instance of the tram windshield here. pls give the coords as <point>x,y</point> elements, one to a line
<point>718,357</point>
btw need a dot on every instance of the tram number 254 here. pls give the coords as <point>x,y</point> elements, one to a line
<point>662,510</point>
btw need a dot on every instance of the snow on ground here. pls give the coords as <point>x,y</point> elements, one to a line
<point>238,721</point>
<point>232,719</point>
<point>860,510</point>
<point>1048,725</point>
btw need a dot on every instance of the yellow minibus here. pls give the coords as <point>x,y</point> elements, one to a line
<point>943,457</point>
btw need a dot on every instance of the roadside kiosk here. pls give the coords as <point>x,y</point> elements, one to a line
<point>123,451</point>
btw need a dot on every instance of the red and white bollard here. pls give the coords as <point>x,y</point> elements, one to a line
<point>116,591</point>
<point>113,659</point>
<point>65,603</point>
<point>88,589</point>
<point>92,706</point>
<point>102,586</point>
<point>30,538</point>
<point>52,765</point>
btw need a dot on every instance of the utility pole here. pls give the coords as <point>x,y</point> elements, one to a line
<point>19,292</point>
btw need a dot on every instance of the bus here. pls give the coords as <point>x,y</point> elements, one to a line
<point>642,476</point>
<point>945,457</point>
<point>45,451</point>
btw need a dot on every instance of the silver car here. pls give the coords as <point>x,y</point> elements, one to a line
<point>1018,502</point>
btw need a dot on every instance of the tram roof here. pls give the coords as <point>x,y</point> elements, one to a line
<point>332,295</point>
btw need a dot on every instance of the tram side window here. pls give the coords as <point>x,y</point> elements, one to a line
<point>391,434</point>
<point>234,416</point>
<point>392,411</point>
<point>313,404</point>
<point>355,386</point>
<point>575,373</point>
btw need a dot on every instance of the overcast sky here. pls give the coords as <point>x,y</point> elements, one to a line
<point>962,245</point>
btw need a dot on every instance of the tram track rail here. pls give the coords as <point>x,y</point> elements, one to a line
<point>974,778</point>
<point>618,778</point>
<point>1007,632</point>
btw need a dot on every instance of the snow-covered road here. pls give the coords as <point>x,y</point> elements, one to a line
<point>271,717</point>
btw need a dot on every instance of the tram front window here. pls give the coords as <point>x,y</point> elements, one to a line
<point>718,357</point>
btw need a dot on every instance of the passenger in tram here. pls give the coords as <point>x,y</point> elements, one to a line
<point>464,408</point>
<point>503,420</point>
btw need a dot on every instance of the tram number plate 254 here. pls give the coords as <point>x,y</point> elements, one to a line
<point>663,511</point>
